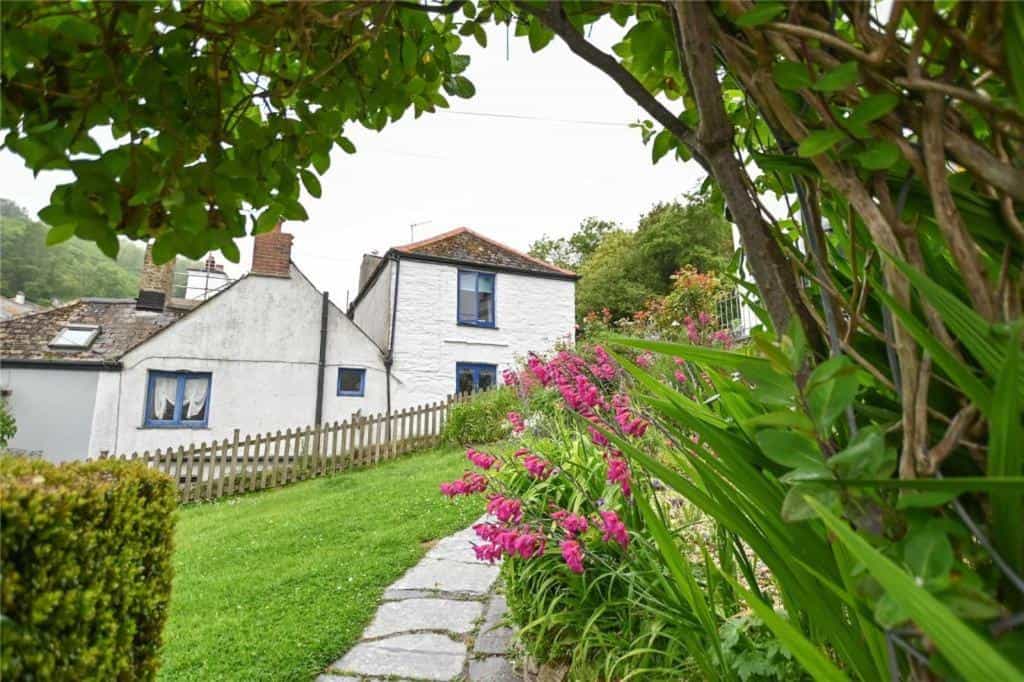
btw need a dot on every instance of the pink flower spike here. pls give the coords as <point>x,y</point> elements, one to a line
<point>537,467</point>
<point>481,459</point>
<point>516,420</point>
<point>614,529</point>
<point>572,553</point>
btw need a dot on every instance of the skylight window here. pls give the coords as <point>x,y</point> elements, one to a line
<point>75,336</point>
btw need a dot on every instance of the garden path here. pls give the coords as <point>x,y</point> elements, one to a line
<point>442,620</point>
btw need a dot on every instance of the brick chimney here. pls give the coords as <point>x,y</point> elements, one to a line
<point>272,253</point>
<point>155,283</point>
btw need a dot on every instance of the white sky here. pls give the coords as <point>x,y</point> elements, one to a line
<point>508,178</point>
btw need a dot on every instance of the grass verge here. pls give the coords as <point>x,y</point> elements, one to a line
<point>276,585</point>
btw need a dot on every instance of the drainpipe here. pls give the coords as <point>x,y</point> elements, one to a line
<point>389,357</point>
<point>323,360</point>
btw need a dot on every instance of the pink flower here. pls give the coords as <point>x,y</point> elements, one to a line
<point>481,459</point>
<point>618,472</point>
<point>529,545</point>
<point>704,318</point>
<point>507,510</point>
<point>470,483</point>
<point>516,419</point>
<point>489,552</point>
<point>537,467</point>
<point>645,359</point>
<point>509,377</point>
<point>573,524</point>
<point>614,529</point>
<point>679,361</point>
<point>597,437</point>
<point>680,377</point>
<point>539,370</point>
<point>572,553</point>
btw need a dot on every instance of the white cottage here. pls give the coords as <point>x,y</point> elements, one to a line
<point>452,311</point>
<point>270,351</point>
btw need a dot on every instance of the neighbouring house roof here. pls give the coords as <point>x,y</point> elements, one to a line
<point>10,308</point>
<point>464,246</point>
<point>121,327</point>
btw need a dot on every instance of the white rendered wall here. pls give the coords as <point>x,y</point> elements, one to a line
<point>373,314</point>
<point>531,314</point>
<point>260,339</point>
<point>53,410</point>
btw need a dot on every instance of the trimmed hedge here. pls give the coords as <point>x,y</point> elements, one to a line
<point>481,419</point>
<point>86,567</point>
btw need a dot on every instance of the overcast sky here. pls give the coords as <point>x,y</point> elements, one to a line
<point>477,165</point>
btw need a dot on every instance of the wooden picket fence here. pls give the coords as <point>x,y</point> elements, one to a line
<point>249,463</point>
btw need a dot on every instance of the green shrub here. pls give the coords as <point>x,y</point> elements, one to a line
<point>481,419</point>
<point>86,569</point>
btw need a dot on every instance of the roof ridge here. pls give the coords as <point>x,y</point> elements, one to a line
<point>414,246</point>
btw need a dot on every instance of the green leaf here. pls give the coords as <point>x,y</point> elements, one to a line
<point>879,155</point>
<point>966,651</point>
<point>60,233</point>
<point>311,183</point>
<point>928,552</point>
<point>165,248</point>
<point>761,13</point>
<point>791,75</point>
<point>345,144</point>
<point>795,507</point>
<point>874,107</point>
<point>1006,455</point>
<point>663,144</point>
<point>267,220</point>
<point>957,485</point>
<point>839,78</point>
<point>819,142</point>
<point>789,448</point>
<point>831,388</point>
<point>865,456</point>
<point>810,656</point>
<point>539,36</point>
<point>230,251</point>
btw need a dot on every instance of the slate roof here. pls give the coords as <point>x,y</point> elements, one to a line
<point>122,327</point>
<point>463,245</point>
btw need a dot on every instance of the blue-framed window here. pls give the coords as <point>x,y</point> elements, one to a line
<point>474,376</point>
<point>177,399</point>
<point>351,381</point>
<point>476,298</point>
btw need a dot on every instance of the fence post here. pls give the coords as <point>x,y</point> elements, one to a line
<point>234,461</point>
<point>188,472</point>
<point>275,460</point>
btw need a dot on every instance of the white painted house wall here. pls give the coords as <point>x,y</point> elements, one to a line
<point>260,341</point>
<point>531,314</point>
<point>373,311</point>
<point>53,409</point>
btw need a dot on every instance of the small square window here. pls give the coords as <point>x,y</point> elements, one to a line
<point>75,336</point>
<point>351,381</point>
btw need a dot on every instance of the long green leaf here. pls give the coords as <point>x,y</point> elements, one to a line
<point>968,653</point>
<point>809,656</point>
<point>1006,457</point>
<point>990,484</point>
<point>958,371</point>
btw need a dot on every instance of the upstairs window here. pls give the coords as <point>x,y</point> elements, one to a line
<point>351,381</point>
<point>75,336</point>
<point>476,298</point>
<point>177,399</point>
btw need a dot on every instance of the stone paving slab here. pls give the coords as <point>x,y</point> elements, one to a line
<point>458,617</point>
<point>421,656</point>
<point>457,547</point>
<point>495,637</point>
<point>492,669</point>
<point>448,576</point>
<point>326,677</point>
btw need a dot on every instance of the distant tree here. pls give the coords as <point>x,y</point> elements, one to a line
<point>674,235</point>
<point>571,252</point>
<point>621,270</point>
<point>65,271</point>
<point>614,278</point>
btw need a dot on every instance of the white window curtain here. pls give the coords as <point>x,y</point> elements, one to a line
<point>197,391</point>
<point>165,392</point>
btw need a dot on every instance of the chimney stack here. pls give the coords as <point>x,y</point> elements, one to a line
<point>367,267</point>
<point>19,298</point>
<point>155,283</point>
<point>272,253</point>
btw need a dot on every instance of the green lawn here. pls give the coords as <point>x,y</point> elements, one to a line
<point>276,585</point>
